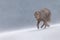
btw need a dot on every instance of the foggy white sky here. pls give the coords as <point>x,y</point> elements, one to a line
<point>16,14</point>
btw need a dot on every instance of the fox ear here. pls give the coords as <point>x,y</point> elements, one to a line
<point>35,13</point>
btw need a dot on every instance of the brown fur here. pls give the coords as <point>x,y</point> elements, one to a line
<point>43,15</point>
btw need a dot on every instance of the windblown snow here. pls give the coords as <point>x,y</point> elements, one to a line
<point>51,33</point>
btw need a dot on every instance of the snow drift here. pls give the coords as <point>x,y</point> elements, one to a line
<point>51,33</point>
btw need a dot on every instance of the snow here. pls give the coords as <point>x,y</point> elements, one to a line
<point>51,33</point>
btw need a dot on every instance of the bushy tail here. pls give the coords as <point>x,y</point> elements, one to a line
<point>49,17</point>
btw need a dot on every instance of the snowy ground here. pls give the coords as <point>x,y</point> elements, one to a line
<point>52,33</point>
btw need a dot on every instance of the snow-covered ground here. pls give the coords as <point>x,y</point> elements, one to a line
<point>51,33</point>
